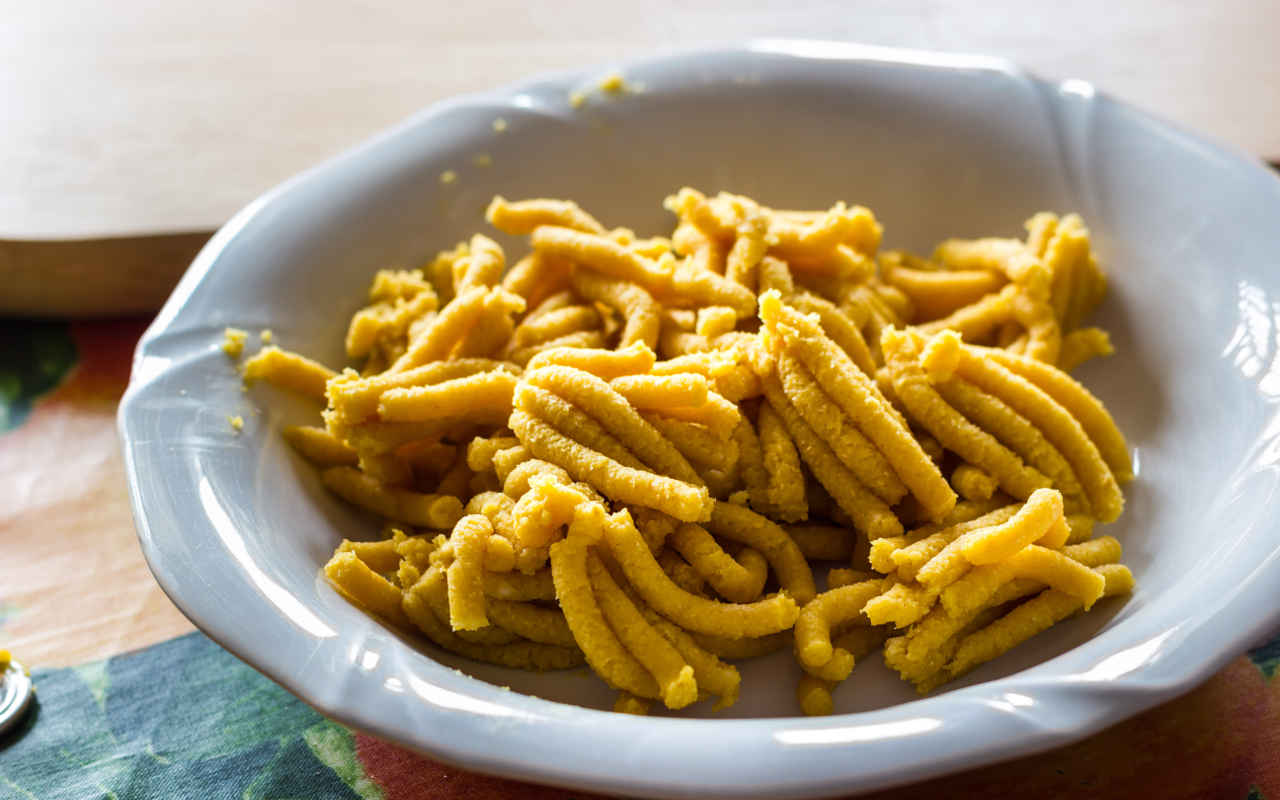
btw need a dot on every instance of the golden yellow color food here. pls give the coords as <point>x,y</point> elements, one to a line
<point>633,452</point>
<point>288,370</point>
<point>233,340</point>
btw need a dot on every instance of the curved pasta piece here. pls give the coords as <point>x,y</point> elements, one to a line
<point>1059,427</point>
<point>694,613</point>
<point>857,395</point>
<point>483,265</point>
<point>634,359</point>
<point>972,483</point>
<point>288,371</point>
<point>628,703</point>
<point>938,293</point>
<point>699,445</point>
<point>602,254</point>
<point>466,588</point>
<point>743,262</point>
<point>783,495</point>
<point>553,325</point>
<point>717,414</point>
<point>712,674</point>
<point>814,695</point>
<point>738,580</point>
<point>1028,619</point>
<point>1013,430</point>
<point>542,511</point>
<point>1008,256</point>
<point>742,525</point>
<point>661,392</point>
<point>681,573</point>
<point>319,446</point>
<point>684,501</point>
<point>1076,399</point>
<point>931,640</point>
<point>630,300</point>
<point>517,655</point>
<point>357,581</point>
<point>487,394</point>
<point>424,510</point>
<point>574,423</point>
<point>354,399</point>
<point>523,217</point>
<point>995,543</point>
<point>676,683</point>
<point>901,604</point>
<point>839,432</point>
<point>926,406</point>
<point>600,646</point>
<point>1058,571</point>
<point>525,468</point>
<point>815,240</point>
<point>869,513</point>
<point>601,401</point>
<point>446,330</point>
<point>695,286</point>
<point>977,321</point>
<point>826,611</point>
<point>837,325</point>
<point>1082,345</point>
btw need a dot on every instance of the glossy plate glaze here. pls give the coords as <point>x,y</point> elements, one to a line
<point>235,526</point>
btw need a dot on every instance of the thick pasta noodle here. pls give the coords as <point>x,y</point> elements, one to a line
<point>635,453</point>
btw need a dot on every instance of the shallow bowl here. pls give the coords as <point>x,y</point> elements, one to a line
<point>235,526</point>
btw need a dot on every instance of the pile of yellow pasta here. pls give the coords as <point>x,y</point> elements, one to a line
<point>634,452</point>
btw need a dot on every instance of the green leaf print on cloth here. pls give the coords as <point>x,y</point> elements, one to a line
<point>186,719</point>
<point>1267,657</point>
<point>181,719</point>
<point>35,355</point>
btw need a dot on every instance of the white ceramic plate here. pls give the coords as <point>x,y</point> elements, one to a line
<point>235,526</point>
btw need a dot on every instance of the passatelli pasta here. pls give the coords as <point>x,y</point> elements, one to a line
<point>634,453</point>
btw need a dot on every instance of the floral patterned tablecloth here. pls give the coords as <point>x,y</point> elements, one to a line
<point>133,704</point>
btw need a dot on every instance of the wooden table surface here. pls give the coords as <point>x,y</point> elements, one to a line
<point>137,118</point>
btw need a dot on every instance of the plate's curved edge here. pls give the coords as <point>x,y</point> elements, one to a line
<point>1105,702</point>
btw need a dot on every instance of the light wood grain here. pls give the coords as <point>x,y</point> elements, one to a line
<point>141,117</point>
